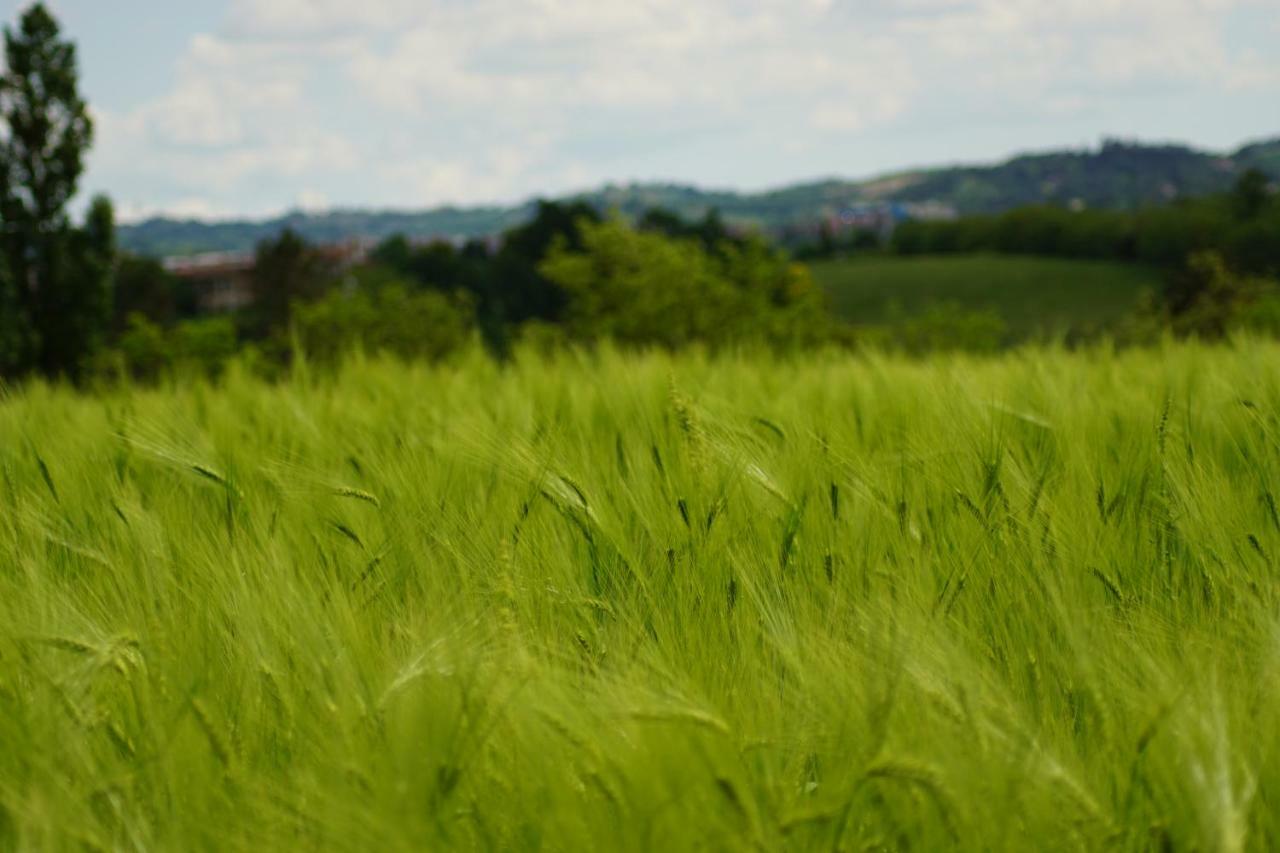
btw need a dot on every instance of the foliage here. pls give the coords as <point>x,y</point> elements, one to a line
<point>710,231</point>
<point>507,286</point>
<point>1209,299</point>
<point>1261,315</point>
<point>516,290</point>
<point>1251,193</point>
<point>830,244</point>
<point>13,334</point>
<point>720,286</point>
<point>392,319</point>
<point>1118,175</point>
<point>143,286</point>
<point>206,345</point>
<point>436,265</point>
<point>146,351</point>
<point>643,288</point>
<point>286,271</point>
<point>1243,226</point>
<point>649,602</point>
<point>56,284</point>
<point>76,299</point>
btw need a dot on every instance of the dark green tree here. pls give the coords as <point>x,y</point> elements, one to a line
<point>710,230</point>
<point>436,265</point>
<point>1249,195</point>
<point>395,253</point>
<point>75,310</point>
<point>512,289</point>
<point>143,286</point>
<point>643,288</point>
<point>12,333</point>
<point>45,131</point>
<point>286,270</point>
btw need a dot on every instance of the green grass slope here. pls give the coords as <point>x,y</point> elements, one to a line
<point>1034,296</point>
<point>641,603</point>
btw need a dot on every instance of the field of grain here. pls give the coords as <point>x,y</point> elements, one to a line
<point>1035,297</point>
<point>620,602</point>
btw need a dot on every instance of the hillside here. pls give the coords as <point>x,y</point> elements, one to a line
<point>1114,175</point>
<point>1032,298</point>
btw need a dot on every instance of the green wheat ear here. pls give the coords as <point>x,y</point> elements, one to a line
<point>357,494</point>
<point>583,607</point>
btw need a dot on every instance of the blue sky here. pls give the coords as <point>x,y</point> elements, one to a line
<point>251,107</point>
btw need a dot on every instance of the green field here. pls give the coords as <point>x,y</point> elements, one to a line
<point>649,603</point>
<point>1036,297</point>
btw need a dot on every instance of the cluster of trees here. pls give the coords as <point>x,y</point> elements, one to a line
<point>1243,226</point>
<point>644,287</point>
<point>55,277</point>
<point>71,305</point>
<point>568,276</point>
<point>573,276</point>
<point>1220,253</point>
<point>832,243</point>
<point>302,299</point>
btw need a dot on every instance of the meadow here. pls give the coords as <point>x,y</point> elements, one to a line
<point>649,602</point>
<point>1035,297</point>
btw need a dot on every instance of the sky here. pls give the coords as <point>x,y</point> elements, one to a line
<point>228,108</point>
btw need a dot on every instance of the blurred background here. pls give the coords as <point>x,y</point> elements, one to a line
<point>950,173</point>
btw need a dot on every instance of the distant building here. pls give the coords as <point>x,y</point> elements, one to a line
<point>882,217</point>
<point>223,281</point>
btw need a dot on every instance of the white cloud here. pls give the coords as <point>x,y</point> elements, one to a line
<point>313,201</point>
<point>189,207</point>
<point>317,17</point>
<point>412,102</point>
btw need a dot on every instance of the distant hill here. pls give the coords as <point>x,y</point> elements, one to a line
<point>1115,175</point>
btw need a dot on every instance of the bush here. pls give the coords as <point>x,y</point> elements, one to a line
<point>143,348</point>
<point>644,288</point>
<point>204,345</point>
<point>1208,299</point>
<point>1263,315</point>
<point>146,351</point>
<point>391,319</point>
<point>1159,236</point>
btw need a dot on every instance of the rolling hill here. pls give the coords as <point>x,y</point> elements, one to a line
<point>1116,174</point>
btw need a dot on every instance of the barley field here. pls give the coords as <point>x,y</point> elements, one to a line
<point>644,602</point>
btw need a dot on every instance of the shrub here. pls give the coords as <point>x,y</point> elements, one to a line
<point>1207,298</point>
<point>390,319</point>
<point>146,351</point>
<point>644,288</point>
<point>143,348</point>
<point>205,345</point>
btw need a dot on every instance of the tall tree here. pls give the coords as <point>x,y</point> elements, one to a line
<point>143,286</point>
<point>286,269</point>
<point>75,310</point>
<point>1249,195</point>
<point>45,131</point>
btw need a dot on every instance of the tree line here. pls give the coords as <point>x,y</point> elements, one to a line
<point>1243,226</point>
<point>72,306</point>
<point>569,276</point>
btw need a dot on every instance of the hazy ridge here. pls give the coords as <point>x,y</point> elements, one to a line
<point>1116,174</point>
